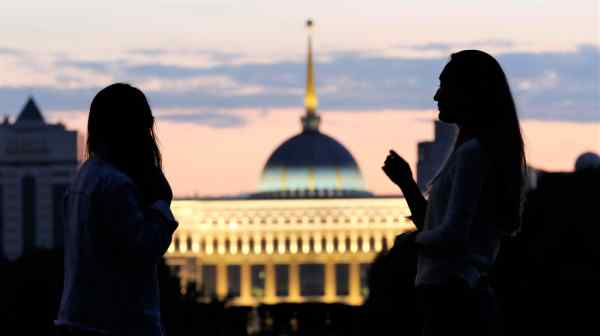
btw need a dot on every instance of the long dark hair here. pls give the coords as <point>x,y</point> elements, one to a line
<point>121,131</point>
<point>494,121</point>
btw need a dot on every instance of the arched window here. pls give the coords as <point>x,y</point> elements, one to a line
<point>372,244</point>
<point>311,244</point>
<point>384,243</point>
<point>189,244</point>
<point>263,245</point>
<point>176,244</point>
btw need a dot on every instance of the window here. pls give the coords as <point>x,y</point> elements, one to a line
<point>263,244</point>
<point>282,276</point>
<point>312,278</point>
<point>176,244</point>
<point>258,280</point>
<point>58,196</point>
<point>233,280</point>
<point>364,285</point>
<point>28,212</point>
<point>342,287</point>
<point>209,281</point>
<point>189,243</point>
<point>348,243</point>
<point>288,243</point>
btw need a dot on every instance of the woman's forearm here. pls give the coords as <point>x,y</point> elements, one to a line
<point>416,202</point>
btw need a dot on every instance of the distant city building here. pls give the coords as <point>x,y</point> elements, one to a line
<point>309,233</point>
<point>37,161</point>
<point>432,154</point>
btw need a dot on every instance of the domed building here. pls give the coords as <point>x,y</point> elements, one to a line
<point>308,234</point>
<point>311,164</point>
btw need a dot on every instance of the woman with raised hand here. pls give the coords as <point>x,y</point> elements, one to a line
<point>117,222</point>
<point>475,199</point>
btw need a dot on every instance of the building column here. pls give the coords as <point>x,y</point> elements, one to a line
<point>221,281</point>
<point>245,284</point>
<point>294,288</point>
<point>270,283</point>
<point>330,284</point>
<point>183,276</point>
<point>354,298</point>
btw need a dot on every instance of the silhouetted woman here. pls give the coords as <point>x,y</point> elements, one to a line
<point>475,199</point>
<point>117,221</point>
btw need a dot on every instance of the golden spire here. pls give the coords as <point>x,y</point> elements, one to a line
<point>310,121</point>
<point>310,99</point>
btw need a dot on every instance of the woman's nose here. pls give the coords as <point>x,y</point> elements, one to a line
<point>437,95</point>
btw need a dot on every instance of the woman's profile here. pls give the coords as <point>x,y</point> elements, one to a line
<point>474,201</point>
<point>117,222</point>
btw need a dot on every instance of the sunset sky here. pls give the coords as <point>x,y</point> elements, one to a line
<point>226,78</point>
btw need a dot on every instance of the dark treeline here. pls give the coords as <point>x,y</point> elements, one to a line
<point>546,281</point>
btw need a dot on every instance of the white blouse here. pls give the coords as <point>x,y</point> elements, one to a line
<point>460,236</point>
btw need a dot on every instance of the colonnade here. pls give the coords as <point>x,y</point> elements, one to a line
<point>191,269</point>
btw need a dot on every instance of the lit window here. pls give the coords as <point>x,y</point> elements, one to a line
<point>258,280</point>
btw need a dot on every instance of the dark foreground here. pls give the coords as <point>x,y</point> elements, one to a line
<point>546,281</point>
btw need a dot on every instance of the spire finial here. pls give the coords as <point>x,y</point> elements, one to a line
<point>311,120</point>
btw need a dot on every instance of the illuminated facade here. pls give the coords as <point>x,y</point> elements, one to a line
<point>308,234</point>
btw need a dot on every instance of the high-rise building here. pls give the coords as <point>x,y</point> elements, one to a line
<point>433,154</point>
<point>309,233</point>
<point>37,162</point>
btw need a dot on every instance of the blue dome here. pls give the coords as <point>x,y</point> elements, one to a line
<point>311,148</point>
<point>311,164</point>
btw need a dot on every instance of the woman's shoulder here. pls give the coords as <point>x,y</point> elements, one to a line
<point>473,150</point>
<point>109,177</point>
<point>472,153</point>
<point>471,146</point>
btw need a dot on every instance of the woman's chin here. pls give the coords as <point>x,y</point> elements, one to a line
<point>445,118</point>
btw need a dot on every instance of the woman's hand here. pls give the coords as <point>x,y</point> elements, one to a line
<point>397,169</point>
